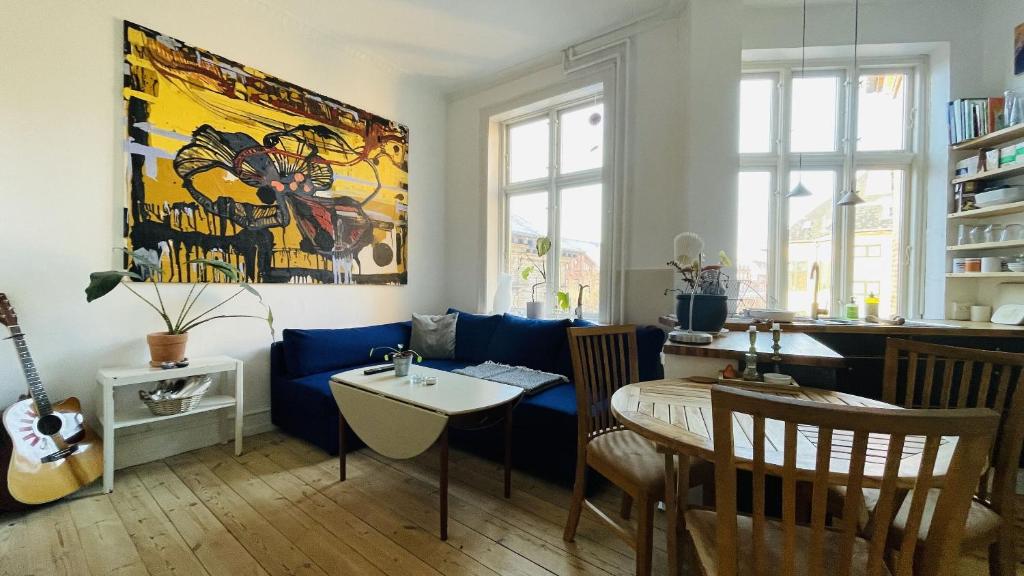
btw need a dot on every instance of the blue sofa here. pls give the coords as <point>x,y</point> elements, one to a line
<point>544,424</point>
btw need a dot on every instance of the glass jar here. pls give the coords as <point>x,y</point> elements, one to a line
<point>993,232</point>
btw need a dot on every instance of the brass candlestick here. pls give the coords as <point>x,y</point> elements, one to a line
<point>750,370</point>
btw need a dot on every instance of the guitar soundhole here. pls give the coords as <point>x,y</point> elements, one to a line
<point>49,424</point>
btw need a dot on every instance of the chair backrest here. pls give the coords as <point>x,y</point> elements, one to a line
<point>604,359</point>
<point>921,375</point>
<point>836,445</point>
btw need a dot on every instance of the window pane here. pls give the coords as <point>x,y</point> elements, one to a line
<point>876,260</point>
<point>810,241</point>
<point>580,263</point>
<point>813,109</point>
<point>582,133</point>
<point>527,221</point>
<point>752,239</point>
<point>528,146</point>
<point>881,112</point>
<point>756,104</point>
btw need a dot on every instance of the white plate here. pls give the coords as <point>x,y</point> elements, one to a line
<point>771,315</point>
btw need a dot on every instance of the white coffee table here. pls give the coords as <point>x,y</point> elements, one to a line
<point>400,420</point>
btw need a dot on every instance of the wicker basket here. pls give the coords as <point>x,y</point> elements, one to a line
<point>172,406</point>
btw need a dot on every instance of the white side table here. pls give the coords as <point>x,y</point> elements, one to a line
<point>111,378</point>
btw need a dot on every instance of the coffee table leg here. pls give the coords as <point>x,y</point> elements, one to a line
<point>508,451</point>
<point>341,445</point>
<point>444,483</point>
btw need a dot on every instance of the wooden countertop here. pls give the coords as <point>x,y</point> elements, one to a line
<point>797,349</point>
<point>912,328</point>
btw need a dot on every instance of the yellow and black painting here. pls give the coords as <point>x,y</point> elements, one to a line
<point>227,162</point>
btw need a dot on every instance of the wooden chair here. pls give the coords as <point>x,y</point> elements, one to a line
<point>604,359</point>
<point>873,446</point>
<point>920,375</point>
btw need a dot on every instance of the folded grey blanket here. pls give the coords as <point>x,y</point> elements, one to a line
<point>530,380</point>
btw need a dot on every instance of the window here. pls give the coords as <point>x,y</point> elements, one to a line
<point>798,128</point>
<point>554,190</point>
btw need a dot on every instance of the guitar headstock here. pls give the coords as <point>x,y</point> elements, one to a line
<point>8,317</point>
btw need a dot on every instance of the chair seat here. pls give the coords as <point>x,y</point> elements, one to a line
<point>982,527</point>
<point>629,460</point>
<point>703,526</point>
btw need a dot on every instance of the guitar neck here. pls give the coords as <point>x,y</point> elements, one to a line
<point>35,384</point>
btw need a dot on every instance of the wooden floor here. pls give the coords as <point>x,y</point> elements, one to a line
<point>279,509</point>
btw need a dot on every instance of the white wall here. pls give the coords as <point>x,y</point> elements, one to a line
<point>62,124</point>
<point>1000,19</point>
<point>667,71</point>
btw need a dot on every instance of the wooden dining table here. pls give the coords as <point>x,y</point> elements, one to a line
<point>676,415</point>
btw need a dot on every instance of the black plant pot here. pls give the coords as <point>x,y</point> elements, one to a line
<point>709,312</point>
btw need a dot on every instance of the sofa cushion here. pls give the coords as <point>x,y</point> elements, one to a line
<point>560,399</point>
<point>314,351</point>
<point>434,336</point>
<point>473,333</point>
<point>446,365</point>
<point>535,344</point>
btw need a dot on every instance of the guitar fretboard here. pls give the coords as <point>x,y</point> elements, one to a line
<point>35,384</point>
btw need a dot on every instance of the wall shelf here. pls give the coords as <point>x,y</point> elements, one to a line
<point>1004,172</point>
<point>992,140</point>
<point>985,275</point>
<point>986,245</point>
<point>1000,210</point>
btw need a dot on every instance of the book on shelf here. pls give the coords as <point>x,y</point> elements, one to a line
<point>971,118</point>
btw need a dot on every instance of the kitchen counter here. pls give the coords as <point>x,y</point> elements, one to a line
<point>796,349</point>
<point>911,328</point>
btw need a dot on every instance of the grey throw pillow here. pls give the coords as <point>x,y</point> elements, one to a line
<point>434,336</point>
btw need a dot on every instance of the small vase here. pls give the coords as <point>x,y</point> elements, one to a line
<point>534,310</point>
<point>164,347</point>
<point>402,364</point>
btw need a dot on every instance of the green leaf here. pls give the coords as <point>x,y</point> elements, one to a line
<point>270,321</point>
<point>525,272</point>
<point>563,300</point>
<point>101,283</point>
<point>221,266</point>
<point>543,245</point>
<point>245,286</point>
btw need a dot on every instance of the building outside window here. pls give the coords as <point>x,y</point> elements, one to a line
<point>798,128</point>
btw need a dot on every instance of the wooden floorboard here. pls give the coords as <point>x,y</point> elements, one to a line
<point>280,509</point>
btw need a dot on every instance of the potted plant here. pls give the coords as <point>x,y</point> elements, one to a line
<point>535,309</point>
<point>169,345</point>
<point>401,356</point>
<point>702,304</point>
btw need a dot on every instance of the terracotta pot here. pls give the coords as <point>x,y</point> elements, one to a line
<point>164,347</point>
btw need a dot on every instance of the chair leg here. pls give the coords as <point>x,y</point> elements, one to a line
<point>579,490</point>
<point>627,505</point>
<point>644,535</point>
<point>1002,555</point>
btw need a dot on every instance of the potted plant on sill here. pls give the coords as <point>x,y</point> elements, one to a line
<point>401,356</point>
<point>702,304</point>
<point>169,345</point>
<point>535,309</point>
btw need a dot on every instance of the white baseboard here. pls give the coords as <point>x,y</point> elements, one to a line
<point>159,440</point>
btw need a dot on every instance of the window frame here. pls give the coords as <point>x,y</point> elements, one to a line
<point>553,184</point>
<point>780,162</point>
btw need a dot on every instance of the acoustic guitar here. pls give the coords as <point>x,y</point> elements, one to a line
<point>53,453</point>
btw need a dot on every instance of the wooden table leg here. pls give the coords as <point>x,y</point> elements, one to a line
<point>671,513</point>
<point>341,445</point>
<point>508,450</point>
<point>444,483</point>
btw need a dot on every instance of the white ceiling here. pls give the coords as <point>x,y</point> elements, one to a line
<point>457,42</point>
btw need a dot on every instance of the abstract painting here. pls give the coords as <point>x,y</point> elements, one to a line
<point>227,162</point>
<point>1018,49</point>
